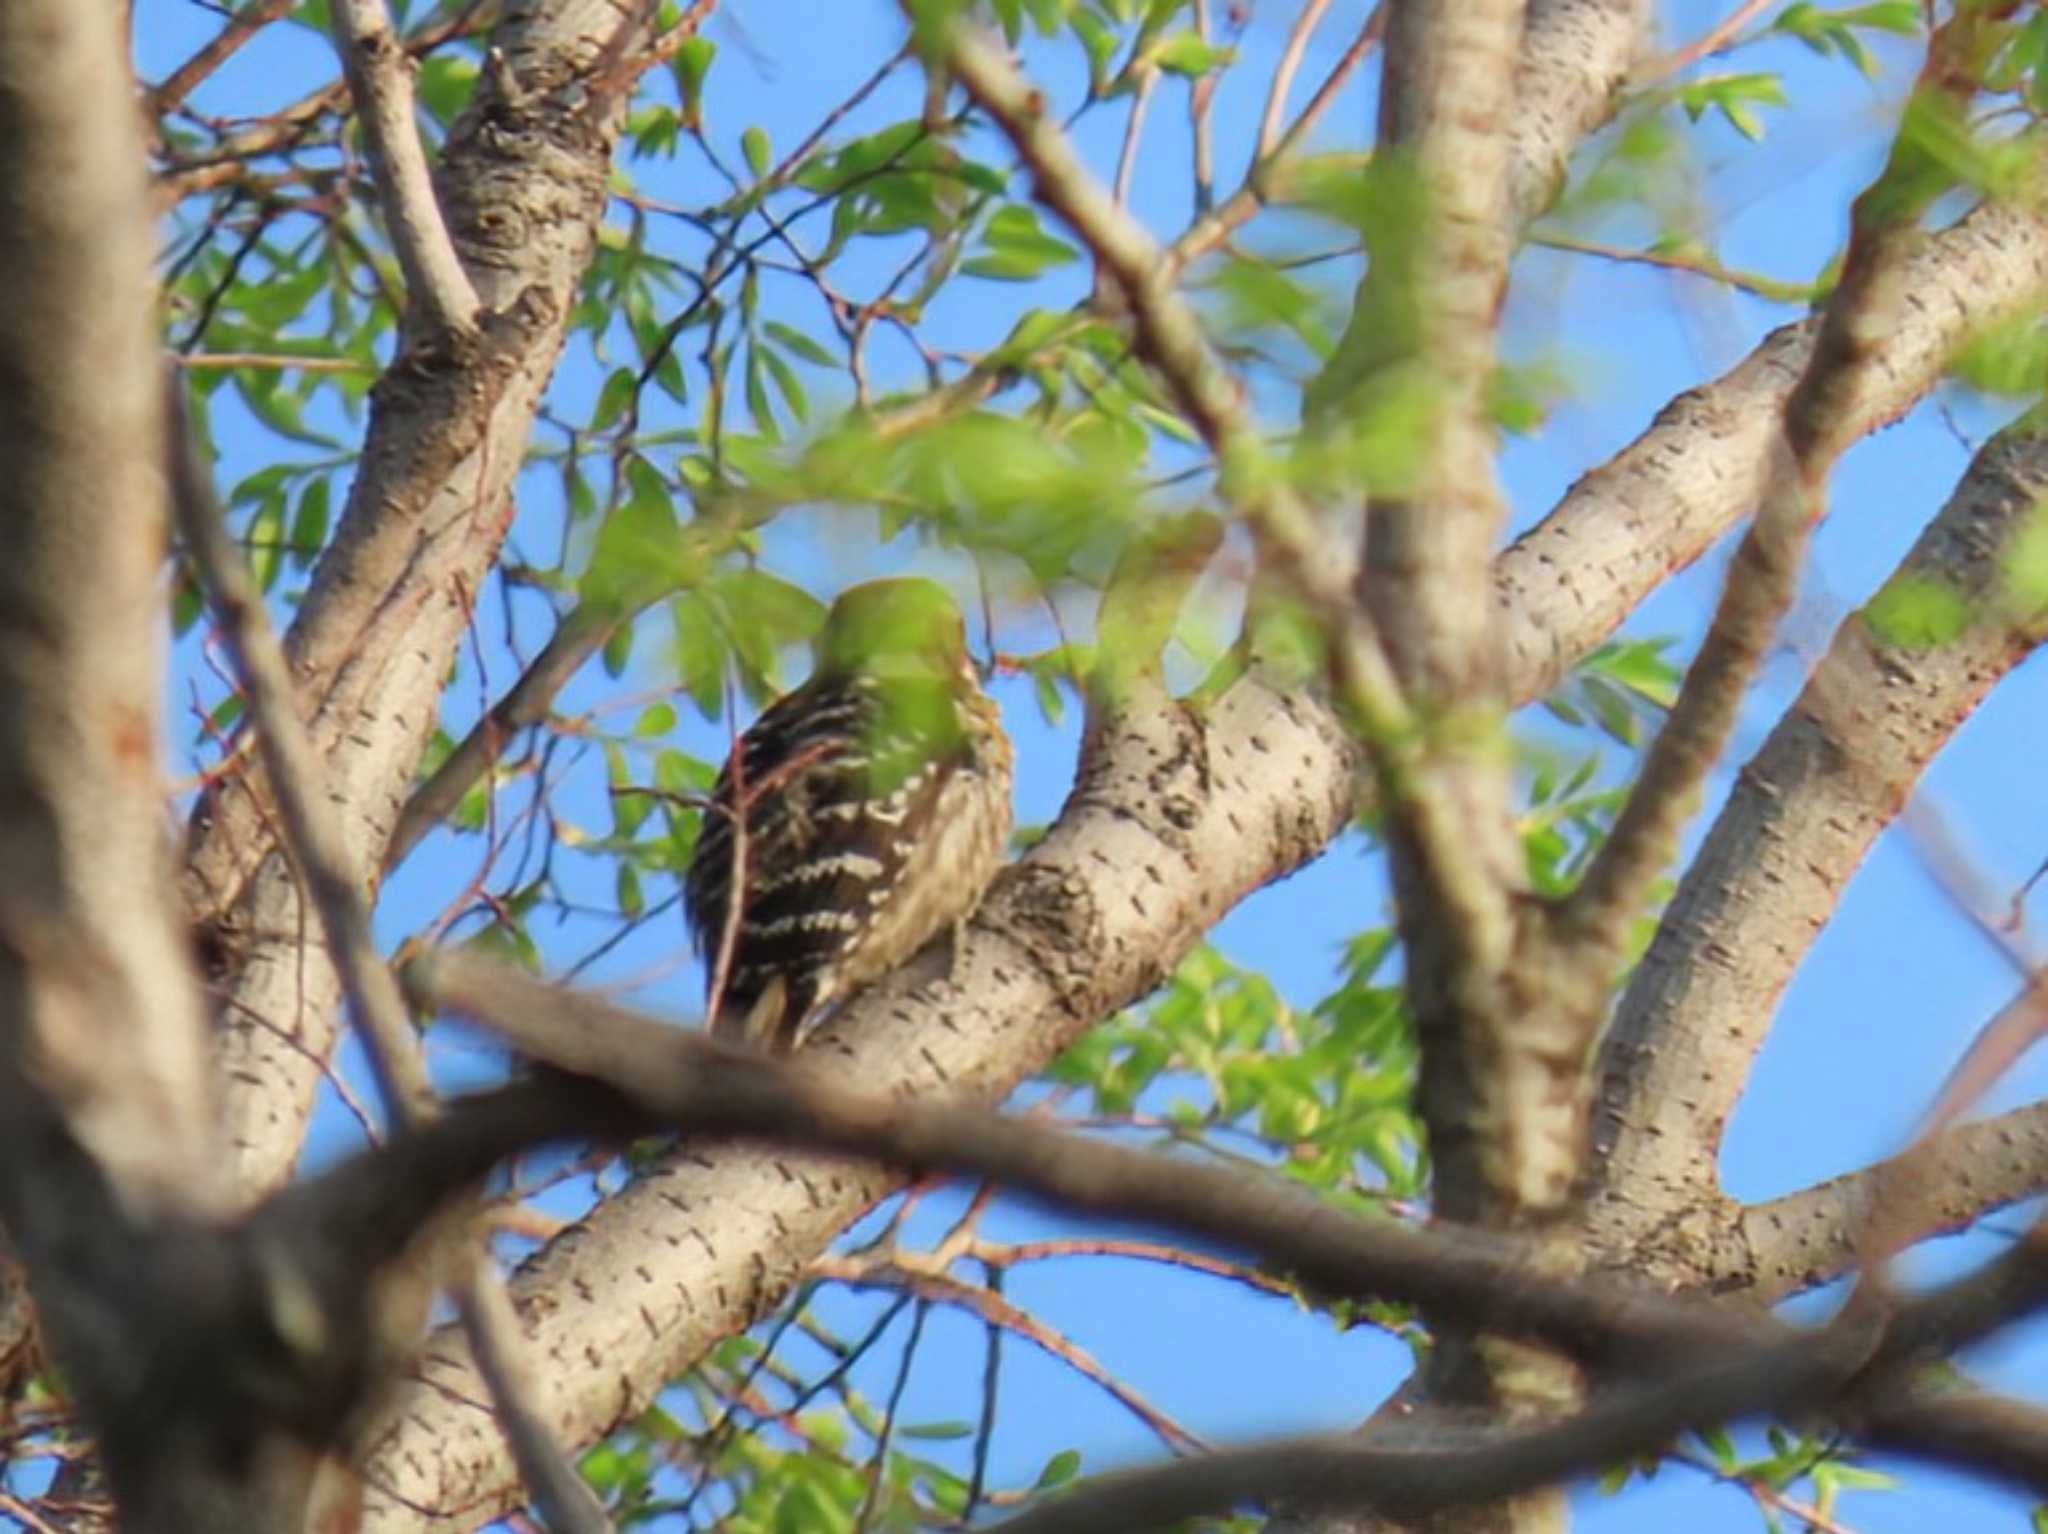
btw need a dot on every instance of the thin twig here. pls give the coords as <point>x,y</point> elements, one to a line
<point>1201,101</point>
<point>214,52</point>
<point>991,1379</point>
<point>1713,41</point>
<point>1698,265</point>
<point>881,1471</point>
<point>1219,223</point>
<point>1305,24</point>
<point>579,636</point>
<point>272,362</point>
<point>380,78</point>
<point>1134,133</point>
<point>992,1309</point>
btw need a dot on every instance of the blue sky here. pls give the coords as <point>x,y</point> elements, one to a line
<point>1886,1002</point>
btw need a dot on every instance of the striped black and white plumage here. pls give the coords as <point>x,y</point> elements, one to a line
<point>876,806</point>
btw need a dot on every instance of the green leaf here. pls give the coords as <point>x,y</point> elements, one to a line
<point>265,535</point>
<point>2026,564</point>
<point>1735,97</point>
<point>804,1508</point>
<point>187,603</point>
<point>692,64</point>
<point>760,153</point>
<point>279,297</point>
<point>640,549</point>
<point>1099,43</point>
<point>768,605</point>
<point>794,340</point>
<point>1190,55</point>
<point>1917,612</point>
<point>446,82</point>
<point>1059,1470</point>
<point>700,654</point>
<point>279,411</point>
<point>787,384</point>
<point>938,1430</point>
<point>617,651</point>
<point>1017,247</point>
<point>757,395</point>
<point>309,524</point>
<point>613,398</point>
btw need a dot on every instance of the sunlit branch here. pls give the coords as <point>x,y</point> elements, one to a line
<point>380,78</point>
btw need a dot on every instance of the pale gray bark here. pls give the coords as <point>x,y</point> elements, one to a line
<point>101,1018</point>
<point>1575,58</point>
<point>523,188</point>
<point>1175,819</point>
<point>1833,775</point>
<point>706,1246</point>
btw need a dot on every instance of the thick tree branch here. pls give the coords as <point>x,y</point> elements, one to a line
<point>100,1031</point>
<point>108,1158</point>
<point>1810,1237</point>
<point>523,186</point>
<point>1575,59</point>
<point>1764,576</point>
<point>1663,501</point>
<point>315,845</point>
<point>665,1075</point>
<point>1833,774</point>
<point>1486,1082</point>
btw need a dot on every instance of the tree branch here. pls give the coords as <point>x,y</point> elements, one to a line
<point>1833,774</point>
<point>100,1030</point>
<point>1764,576</point>
<point>315,845</point>
<point>664,1075</point>
<point>1488,1072</point>
<point>374,639</point>
<point>379,71</point>
<point>1662,501</point>
<point>580,635</point>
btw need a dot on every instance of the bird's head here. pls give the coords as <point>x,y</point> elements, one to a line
<point>903,629</point>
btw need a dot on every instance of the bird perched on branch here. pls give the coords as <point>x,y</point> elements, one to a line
<point>862,814</point>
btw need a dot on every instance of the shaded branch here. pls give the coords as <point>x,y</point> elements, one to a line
<point>1339,1473</point>
<point>664,1075</point>
<point>652,1072</point>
